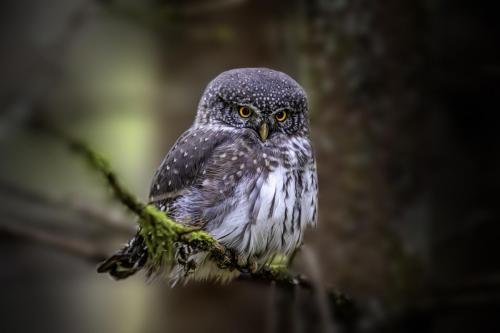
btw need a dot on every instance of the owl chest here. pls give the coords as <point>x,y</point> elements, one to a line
<point>270,214</point>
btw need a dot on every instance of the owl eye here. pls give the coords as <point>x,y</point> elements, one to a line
<point>245,111</point>
<point>280,116</point>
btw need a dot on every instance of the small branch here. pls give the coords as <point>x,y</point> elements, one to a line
<point>86,212</point>
<point>284,278</point>
<point>73,247</point>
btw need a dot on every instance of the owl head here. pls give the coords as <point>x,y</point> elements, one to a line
<point>264,101</point>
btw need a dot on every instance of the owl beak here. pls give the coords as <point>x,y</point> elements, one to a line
<point>264,131</point>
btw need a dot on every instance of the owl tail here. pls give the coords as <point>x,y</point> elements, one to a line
<point>127,261</point>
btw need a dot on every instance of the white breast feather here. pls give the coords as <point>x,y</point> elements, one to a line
<point>265,233</point>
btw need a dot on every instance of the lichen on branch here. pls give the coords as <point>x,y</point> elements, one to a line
<point>161,233</point>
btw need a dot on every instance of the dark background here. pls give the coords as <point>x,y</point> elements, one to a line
<point>404,102</point>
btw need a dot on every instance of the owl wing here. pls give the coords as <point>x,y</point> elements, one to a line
<point>178,171</point>
<point>182,166</point>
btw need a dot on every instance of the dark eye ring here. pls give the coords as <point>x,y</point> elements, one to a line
<point>245,111</point>
<point>280,116</point>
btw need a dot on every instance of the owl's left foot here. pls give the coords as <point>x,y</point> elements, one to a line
<point>183,253</point>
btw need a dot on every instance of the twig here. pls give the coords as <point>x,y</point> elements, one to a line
<point>87,212</point>
<point>282,277</point>
<point>79,249</point>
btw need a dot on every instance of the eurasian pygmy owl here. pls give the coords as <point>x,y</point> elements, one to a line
<point>244,172</point>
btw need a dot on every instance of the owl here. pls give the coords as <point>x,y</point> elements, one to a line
<point>244,172</point>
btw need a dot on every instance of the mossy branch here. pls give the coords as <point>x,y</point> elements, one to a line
<point>160,232</point>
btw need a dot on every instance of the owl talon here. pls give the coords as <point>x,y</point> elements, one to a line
<point>182,253</point>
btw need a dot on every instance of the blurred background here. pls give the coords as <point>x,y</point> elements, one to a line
<point>404,103</point>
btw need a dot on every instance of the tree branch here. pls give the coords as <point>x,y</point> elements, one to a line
<point>84,211</point>
<point>79,249</point>
<point>159,231</point>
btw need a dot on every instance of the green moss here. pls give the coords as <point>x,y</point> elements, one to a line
<point>281,273</point>
<point>161,233</point>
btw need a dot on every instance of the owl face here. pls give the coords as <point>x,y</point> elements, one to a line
<point>266,102</point>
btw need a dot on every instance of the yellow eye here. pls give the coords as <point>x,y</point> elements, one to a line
<point>280,116</point>
<point>245,111</point>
